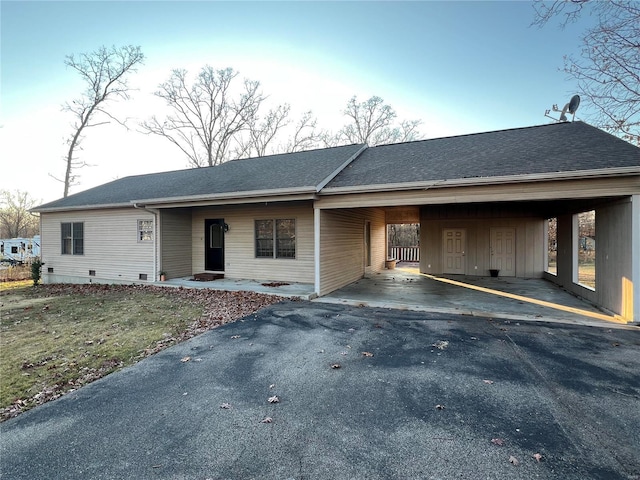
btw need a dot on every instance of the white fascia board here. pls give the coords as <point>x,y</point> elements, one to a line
<point>499,180</point>
<point>245,196</point>
<point>231,201</point>
<point>82,207</point>
<point>282,194</point>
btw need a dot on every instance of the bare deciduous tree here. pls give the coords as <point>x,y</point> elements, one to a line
<point>373,122</point>
<point>15,218</point>
<point>105,73</point>
<point>608,69</point>
<point>403,235</point>
<point>207,118</point>
<point>215,119</point>
<point>261,134</point>
<point>305,136</point>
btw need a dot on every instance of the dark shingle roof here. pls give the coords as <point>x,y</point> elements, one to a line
<point>561,147</point>
<point>301,170</point>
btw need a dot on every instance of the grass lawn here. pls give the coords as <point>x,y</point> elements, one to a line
<point>587,274</point>
<point>56,338</point>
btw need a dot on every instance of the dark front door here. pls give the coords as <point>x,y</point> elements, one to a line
<point>214,244</point>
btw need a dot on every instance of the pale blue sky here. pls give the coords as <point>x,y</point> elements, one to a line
<point>462,67</point>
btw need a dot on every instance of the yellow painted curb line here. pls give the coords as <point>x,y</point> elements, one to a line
<point>586,313</point>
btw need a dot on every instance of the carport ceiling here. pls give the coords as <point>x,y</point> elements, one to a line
<point>539,208</point>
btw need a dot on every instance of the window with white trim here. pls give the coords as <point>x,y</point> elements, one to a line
<point>145,231</point>
<point>72,238</point>
<point>275,238</point>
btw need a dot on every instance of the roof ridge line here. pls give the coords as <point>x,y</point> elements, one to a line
<point>480,133</point>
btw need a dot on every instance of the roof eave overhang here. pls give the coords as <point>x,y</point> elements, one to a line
<point>230,198</point>
<point>102,206</point>
<point>477,181</point>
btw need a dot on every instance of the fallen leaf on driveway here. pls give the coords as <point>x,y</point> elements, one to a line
<point>367,354</point>
<point>273,399</point>
<point>513,460</point>
<point>266,420</point>
<point>497,441</point>
<point>185,359</point>
<point>441,344</point>
<point>537,456</point>
<point>488,382</point>
<point>439,407</point>
<point>335,365</point>
<point>225,406</point>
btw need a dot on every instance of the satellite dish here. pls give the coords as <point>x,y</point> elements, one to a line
<point>574,103</point>
<point>570,107</point>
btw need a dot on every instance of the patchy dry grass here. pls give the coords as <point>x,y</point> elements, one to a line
<point>587,274</point>
<point>56,338</point>
<point>13,274</point>
<point>12,285</point>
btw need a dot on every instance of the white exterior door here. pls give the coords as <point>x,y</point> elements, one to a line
<point>454,244</point>
<point>503,250</point>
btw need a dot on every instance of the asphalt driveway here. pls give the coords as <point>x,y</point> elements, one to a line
<point>435,396</point>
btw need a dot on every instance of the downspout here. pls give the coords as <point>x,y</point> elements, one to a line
<point>41,252</point>
<point>156,238</point>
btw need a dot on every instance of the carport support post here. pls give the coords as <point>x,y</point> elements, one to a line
<point>635,255</point>
<point>316,250</point>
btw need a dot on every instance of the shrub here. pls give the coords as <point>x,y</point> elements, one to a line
<point>36,271</point>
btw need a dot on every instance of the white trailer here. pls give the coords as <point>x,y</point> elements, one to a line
<point>19,250</point>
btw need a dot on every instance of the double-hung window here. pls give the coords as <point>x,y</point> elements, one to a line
<point>72,238</point>
<point>275,238</point>
<point>145,230</point>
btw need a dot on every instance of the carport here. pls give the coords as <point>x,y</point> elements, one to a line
<point>484,203</point>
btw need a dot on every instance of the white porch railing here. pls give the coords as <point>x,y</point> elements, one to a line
<point>405,254</point>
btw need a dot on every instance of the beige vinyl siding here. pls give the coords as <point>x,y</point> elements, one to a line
<point>378,238</point>
<point>613,262</point>
<point>342,249</point>
<point>477,221</point>
<point>239,242</point>
<point>111,247</point>
<point>614,288</point>
<point>175,246</point>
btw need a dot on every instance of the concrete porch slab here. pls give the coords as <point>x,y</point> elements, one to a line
<point>303,291</point>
